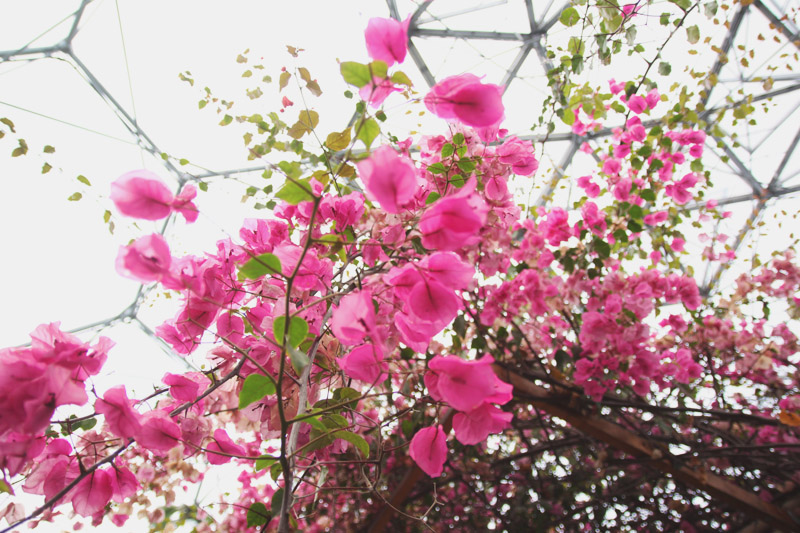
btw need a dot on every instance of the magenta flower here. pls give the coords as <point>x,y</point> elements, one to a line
<point>222,443</point>
<point>365,363</point>
<point>637,103</point>
<point>429,450</point>
<point>465,385</point>
<point>141,194</point>
<point>354,318</point>
<point>465,99</point>
<point>117,409</point>
<point>376,92</point>
<point>389,178</point>
<point>475,426</point>
<point>452,222</point>
<point>387,39</point>
<point>92,494</point>
<point>147,259</point>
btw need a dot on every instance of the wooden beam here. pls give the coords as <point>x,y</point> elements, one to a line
<point>658,457</point>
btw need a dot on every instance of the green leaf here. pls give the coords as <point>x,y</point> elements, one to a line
<point>5,487</point>
<point>83,179</point>
<point>74,197</point>
<point>275,471</point>
<point>338,140</point>
<point>378,69</point>
<point>355,439</point>
<point>283,81</point>
<point>467,165</point>
<point>255,387</point>
<point>264,462</point>
<point>399,78</point>
<point>648,195</point>
<point>448,150</point>
<point>49,149</point>
<point>636,212</point>
<point>683,4</point>
<point>355,73</point>
<point>368,131</point>
<point>569,17</point>
<point>621,235</point>
<point>46,168</point>
<point>693,34</point>
<point>299,359</point>
<point>664,68</point>
<point>294,192</point>
<point>277,500</point>
<point>258,515</point>
<point>634,226</point>
<point>298,330</point>
<point>22,149</point>
<point>458,138</point>
<point>227,119</point>
<point>260,266</point>
<point>432,197</point>
<point>603,248</point>
<point>106,216</point>
<point>437,168</point>
<point>306,122</point>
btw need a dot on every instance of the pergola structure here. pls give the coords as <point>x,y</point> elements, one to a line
<point>761,162</point>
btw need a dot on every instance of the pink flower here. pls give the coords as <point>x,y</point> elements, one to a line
<point>452,222</point>
<point>615,87</point>
<point>637,104</point>
<point>387,39</point>
<point>656,218</point>
<point>147,259</point>
<point>592,189</point>
<point>118,411</point>
<point>186,387</point>
<point>222,443</point>
<point>652,98</point>
<point>612,166</point>
<point>465,385</point>
<point>365,363</point>
<point>519,154</point>
<point>677,244</point>
<point>376,92</point>
<point>429,450</point>
<point>629,10</point>
<point>141,194</point>
<point>123,483</point>
<point>92,494</point>
<point>389,178</point>
<point>466,99</point>
<point>183,203</point>
<point>158,433</point>
<point>473,427</point>
<point>354,318</point>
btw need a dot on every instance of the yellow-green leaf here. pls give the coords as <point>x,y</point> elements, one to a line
<point>368,131</point>
<point>355,73</point>
<point>49,149</point>
<point>283,81</point>
<point>46,168</point>
<point>338,140</point>
<point>83,179</point>
<point>74,197</point>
